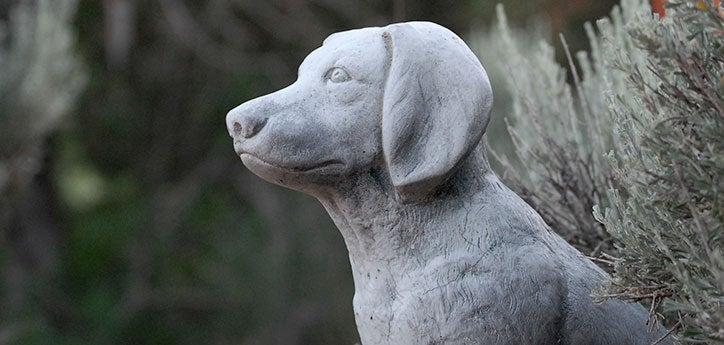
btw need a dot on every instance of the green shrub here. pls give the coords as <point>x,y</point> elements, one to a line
<point>638,137</point>
<point>668,211</point>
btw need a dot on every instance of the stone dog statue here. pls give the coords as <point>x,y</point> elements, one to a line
<point>384,126</point>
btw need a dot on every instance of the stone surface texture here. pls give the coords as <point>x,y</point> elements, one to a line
<point>385,127</point>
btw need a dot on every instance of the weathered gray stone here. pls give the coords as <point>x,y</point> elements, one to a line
<point>384,126</point>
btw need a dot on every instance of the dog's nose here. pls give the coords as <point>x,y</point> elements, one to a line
<point>244,125</point>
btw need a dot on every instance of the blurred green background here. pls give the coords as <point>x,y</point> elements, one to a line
<point>126,217</point>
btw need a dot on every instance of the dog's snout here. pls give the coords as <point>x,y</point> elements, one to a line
<point>248,127</point>
<point>244,125</point>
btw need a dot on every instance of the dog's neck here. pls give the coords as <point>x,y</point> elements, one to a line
<point>378,228</point>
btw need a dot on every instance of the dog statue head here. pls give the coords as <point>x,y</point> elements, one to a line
<point>410,98</point>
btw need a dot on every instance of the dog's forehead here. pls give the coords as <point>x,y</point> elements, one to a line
<point>358,36</point>
<point>357,48</point>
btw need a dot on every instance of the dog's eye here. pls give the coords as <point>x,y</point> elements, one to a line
<point>337,75</point>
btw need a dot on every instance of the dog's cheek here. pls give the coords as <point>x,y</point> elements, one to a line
<point>362,143</point>
<point>348,93</point>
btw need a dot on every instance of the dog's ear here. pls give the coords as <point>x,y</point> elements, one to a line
<point>435,109</point>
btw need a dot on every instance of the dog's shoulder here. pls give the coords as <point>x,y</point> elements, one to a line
<point>515,294</point>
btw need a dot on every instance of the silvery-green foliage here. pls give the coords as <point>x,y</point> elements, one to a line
<point>560,130</point>
<point>489,47</point>
<point>639,136</point>
<point>41,79</point>
<point>667,212</point>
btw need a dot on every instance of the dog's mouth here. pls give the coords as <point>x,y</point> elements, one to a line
<point>330,164</point>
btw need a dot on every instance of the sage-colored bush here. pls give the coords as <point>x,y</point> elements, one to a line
<point>667,213</point>
<point>626,160</point>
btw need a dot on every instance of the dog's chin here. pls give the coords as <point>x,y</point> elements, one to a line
<point>294,176</point>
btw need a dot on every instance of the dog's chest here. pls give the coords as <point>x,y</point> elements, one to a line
<point>462,300</point>
<point>423,306</point>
